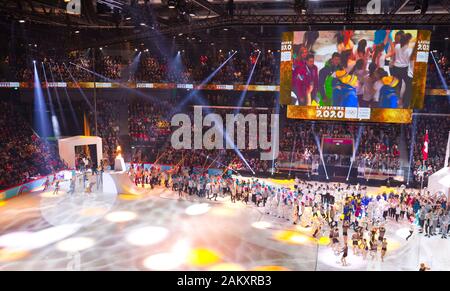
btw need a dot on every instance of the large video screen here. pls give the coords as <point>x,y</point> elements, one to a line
<point>360,75</point>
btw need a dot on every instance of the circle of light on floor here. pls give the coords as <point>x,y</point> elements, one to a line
<point>226,267</point>
<point>202,257</point>
<point>9,255</point>
<point>270,268</point>
<point>75,244</point>
<point>129,197</point>
<point>121,216</point>
<point>93,211</point>
<point>147,235</point>
<point>163,261</point>
<point>198,209</point>
<point>324,241</point>
<point>261,224</point>
<point>291,237</point>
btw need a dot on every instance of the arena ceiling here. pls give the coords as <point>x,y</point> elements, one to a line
<point>104,22</point>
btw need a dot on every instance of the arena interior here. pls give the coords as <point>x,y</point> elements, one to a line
<point>221,135</point>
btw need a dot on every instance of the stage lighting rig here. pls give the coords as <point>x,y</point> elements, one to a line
<point>172,4</point>
<point>421,6</point>
<point>300,6</point>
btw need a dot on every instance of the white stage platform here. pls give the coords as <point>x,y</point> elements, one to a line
<point>122,184</point>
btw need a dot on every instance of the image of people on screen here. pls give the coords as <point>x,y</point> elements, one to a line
<point>353,68</point>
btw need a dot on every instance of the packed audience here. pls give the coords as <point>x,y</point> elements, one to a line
<point>438,78</point>
<point>23,155</point>
<point>438,128</point>
<point>108,126</point>
<point>150,68</point>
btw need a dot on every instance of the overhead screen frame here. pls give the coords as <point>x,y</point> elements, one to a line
<point>358,114</point>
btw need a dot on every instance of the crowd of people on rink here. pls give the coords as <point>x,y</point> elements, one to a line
<point>348,217</point>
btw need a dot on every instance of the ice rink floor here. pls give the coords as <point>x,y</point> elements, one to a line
<point>158,231</point>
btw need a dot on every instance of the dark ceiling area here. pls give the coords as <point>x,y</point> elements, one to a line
<point>47,24</point>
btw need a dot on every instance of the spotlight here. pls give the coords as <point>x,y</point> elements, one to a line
<point>180,34</point>
<point>446,38</point>
<point>128,18</point>
<point>192,14</point>
<point>243,37</point>
<point>21,21</point>
<point>77,31</point>
<point>135,49</point>
<point>226,29</point>
<point>34,61</point>
<point>172,4</point>
<point>143,24</point>
<point>101,48</point>
<point>421,6</point>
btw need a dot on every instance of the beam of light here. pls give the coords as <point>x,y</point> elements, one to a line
<point>132,68</point>
<point>176,65</point>
<point>185,100</point>
<point>355,149</point>
<point>79,88</point>
<point>72,111</point>
<point>275,137</point>
<point>441,77</point>
<point>41,122</point>
<point>244,92</point>
<point>55,123</point>
<point>61,110</point>
<point>413,144</point>
<point>137,92</point>
<point>217,162</point>
<point>319,148</point>
<point>193,93</point>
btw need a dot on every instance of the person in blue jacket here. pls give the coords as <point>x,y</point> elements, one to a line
<point>344,93</point>
<point>388,93</point>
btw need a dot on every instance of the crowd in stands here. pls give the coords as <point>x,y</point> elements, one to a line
<point>184,69</point>
<point>108,126</point>
<point>150,68</point>
<point>378,146</point>
<point>23,155</point>
<point>438,128</point>
<point>438,78</point>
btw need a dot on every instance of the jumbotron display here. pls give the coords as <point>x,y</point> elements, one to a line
<point>355,75</point>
